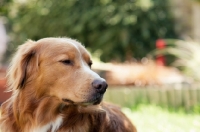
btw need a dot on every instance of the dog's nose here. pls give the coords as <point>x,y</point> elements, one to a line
<point>100,85</point>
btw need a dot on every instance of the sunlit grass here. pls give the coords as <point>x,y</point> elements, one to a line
<point>155,119</point>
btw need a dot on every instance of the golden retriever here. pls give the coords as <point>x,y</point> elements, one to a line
<point>55,90</point>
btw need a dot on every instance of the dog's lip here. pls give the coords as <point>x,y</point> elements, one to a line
<point>93,101</point>
<point>68,100</point>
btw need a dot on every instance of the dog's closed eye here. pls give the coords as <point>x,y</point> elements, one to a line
<point>67,62</point>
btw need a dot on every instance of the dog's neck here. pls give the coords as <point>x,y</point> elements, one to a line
<point>35,111</point>
<point>27,111</point>
<point>31,112</point>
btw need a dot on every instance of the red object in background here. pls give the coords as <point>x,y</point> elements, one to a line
<point>3,95</point>
<point>160,59</point>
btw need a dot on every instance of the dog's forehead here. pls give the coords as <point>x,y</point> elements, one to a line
<point>63,45</point>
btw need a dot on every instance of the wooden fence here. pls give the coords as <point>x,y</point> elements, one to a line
<point>174,98</point>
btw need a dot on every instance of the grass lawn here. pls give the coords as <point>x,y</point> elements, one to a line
<point>155,119</point>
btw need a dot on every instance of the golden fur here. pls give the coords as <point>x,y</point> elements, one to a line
<point>54,90</point>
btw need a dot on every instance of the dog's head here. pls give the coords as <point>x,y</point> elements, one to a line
<point>56,67</point>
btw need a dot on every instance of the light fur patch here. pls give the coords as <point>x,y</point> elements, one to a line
<point>53,125</point>
<point>91,109</point>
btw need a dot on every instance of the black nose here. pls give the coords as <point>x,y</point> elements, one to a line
<point>100,85</point>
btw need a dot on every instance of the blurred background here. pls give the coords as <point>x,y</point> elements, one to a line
<point>147,50</point>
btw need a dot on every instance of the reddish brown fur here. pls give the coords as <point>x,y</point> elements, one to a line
<point>39,81</point>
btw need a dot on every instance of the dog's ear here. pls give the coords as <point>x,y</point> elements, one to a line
<point>23,65</point>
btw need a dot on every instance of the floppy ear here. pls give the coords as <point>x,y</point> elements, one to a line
<point>23,65</point>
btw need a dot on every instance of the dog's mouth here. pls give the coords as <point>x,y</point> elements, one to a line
<point>68,101</point>
<point>95,100</point>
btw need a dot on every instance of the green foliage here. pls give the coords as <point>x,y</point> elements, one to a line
<point>119,29</point>
<point>4,7</point>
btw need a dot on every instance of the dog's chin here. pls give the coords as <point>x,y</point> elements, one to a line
<point>92,101</point>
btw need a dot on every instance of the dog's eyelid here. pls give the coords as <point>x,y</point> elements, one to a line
<point>67,62</point>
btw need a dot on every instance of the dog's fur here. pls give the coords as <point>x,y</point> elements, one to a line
<point>53,90</point>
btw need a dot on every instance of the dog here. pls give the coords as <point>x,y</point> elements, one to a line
<point>55,90</point>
